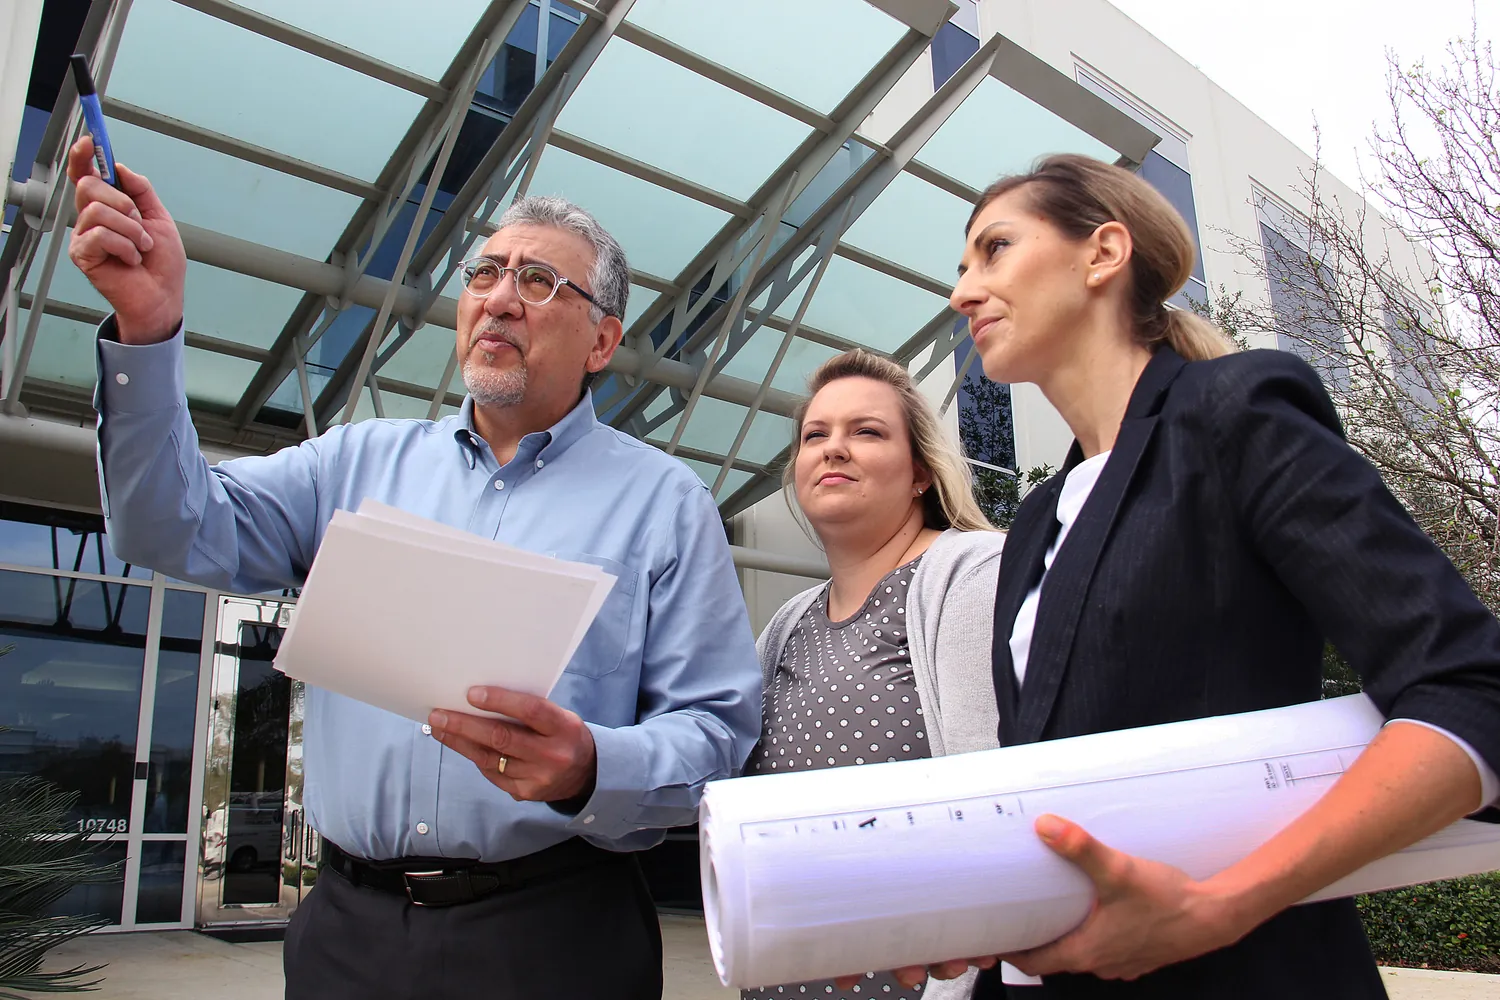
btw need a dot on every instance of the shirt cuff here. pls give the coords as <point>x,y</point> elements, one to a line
<point>138,378</point>
<point>620,776</point>
<point>1489,782</point>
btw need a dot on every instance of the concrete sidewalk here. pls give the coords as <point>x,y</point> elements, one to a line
<point>183,965</point>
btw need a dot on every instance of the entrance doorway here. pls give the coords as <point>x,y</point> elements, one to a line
<point>259,856</point>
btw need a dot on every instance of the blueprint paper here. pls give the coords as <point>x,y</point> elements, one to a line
<point>407,614</point>
<point>848,870</point>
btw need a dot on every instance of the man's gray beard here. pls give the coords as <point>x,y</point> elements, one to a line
<point>493,387</point>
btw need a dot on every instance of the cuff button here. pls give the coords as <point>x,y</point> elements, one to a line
<point>122,378</point>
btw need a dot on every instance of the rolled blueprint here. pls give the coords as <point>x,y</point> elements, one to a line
<point>848,870</point>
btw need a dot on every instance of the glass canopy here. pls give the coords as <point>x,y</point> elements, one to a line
<point>695,130</point>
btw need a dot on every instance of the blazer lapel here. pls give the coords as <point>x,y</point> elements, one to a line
<point>1021,566</point>
<point>1067,583</point>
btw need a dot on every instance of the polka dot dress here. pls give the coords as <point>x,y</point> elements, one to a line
<point>844,694</point>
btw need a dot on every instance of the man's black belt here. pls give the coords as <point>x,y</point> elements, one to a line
<point>452,881</point>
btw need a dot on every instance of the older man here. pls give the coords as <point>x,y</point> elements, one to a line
<point>506,874</point>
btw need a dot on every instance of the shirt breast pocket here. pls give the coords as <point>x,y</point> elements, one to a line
<point>604,644</point>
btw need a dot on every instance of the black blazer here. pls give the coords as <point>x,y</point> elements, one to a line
<point>1231,530</point>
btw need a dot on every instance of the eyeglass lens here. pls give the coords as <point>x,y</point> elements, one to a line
<point>534,283</point>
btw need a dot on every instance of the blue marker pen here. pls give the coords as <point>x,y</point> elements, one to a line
<point>93,116</point>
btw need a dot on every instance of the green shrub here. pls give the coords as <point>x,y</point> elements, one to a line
<point>1442,925</point>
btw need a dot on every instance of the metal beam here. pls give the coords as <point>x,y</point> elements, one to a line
<point>713,262</point>
<point>775,562</point>
<point>58,206</point>
<point>725,77</point>
<point>238,148</point>
<point>371,221</point>
<point>893,270</point>
<point>646,172</point>
<point>462,97</point>
<point>316,45</point>
<point>201,341</point>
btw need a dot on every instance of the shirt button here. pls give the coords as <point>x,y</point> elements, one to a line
<point>422,829</point>
<point>540,463</point>
<point>122,378</point>
<point>589,818</point>
<point>499,484</point>
<point>426,729</point>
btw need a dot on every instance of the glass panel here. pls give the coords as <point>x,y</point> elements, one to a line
<point>395,404</point>
<point>59,539</point>
<point>245,200</point>
<point>696,128</point>
<point>159,899</point>
<point>70,689</point>
<point>637,302</point>
<point>424,44</point>
<point>753,360</point>
<point>257,770</point>
<point>660,231</point>
<point>216,379</point>
<point>62,352</point>
<point>296,105</point>
<point>783,44</point>
<point>865,306</point>
<point>218,303</point>
<point>914,224</point>
<point>106,898</point>
<point>423,358</point>
<point>174,717</point>
<point>951,47</point>
<point>998,131</point>
<point>708,473</point>
<point>715,424</point>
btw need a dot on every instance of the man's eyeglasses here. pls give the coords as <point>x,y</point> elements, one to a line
<point>536,284</point>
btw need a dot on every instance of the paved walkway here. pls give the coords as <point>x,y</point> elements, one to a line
<point>183,965</point>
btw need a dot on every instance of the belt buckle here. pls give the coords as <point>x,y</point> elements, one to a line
<point>413,880</point>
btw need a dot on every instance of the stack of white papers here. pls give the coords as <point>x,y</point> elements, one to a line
<point>856,869</point>
<point>407,614</point>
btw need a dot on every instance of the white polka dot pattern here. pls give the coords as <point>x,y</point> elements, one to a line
<point>844,694</point>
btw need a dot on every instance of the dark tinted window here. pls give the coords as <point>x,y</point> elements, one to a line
<point>1306,320</point>
<point>70,689</point>
<point>951,46</point>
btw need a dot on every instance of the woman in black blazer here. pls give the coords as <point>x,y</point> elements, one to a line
<point>1218,529</point>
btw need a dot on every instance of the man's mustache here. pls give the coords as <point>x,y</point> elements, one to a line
<point>495,331</point>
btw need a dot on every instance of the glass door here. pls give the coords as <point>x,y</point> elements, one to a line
<point>259,855</point>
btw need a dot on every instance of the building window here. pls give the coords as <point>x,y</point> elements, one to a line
<point>1165,168</point>
<point>955,42</point>
<point>1307,321</point>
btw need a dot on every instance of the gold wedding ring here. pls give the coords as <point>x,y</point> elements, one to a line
<point>500,764</point>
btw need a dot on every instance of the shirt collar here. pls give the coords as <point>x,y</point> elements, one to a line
<point>548,444</point>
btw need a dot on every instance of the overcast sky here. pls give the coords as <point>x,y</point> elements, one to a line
<point>1290,61</point>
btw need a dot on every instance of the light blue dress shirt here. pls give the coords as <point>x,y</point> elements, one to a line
<point>666,678</point>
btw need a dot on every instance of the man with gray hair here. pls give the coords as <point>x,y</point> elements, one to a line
<point>471,856</point>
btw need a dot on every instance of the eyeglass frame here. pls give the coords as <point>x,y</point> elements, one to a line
<point>515,273</point>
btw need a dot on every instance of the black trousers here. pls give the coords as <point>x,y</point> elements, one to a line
<point>584,934</point>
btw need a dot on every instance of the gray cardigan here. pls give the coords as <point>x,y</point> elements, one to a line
<point>950,622</point>
<point>950,619</point>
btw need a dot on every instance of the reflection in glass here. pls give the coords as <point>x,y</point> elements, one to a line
<point>172,720</point>
<point>59,539</point>
<point>257,770</point>
<point>160,887</point>
<point>106,898</point>
<point>70,689</point>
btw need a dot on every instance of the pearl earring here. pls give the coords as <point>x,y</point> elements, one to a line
<point>1094,278</point>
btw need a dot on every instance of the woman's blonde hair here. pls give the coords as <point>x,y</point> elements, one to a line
<point>1078,194</point>
<point>949,502</point>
